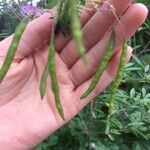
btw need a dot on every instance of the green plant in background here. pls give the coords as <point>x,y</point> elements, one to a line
<point>9,18</point>
<point>130,120</point>
<point>8,24</point>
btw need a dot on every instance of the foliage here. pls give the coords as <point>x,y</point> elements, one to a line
<point>130,123</point>
<point>8,18</point>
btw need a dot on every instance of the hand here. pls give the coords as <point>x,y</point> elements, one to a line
<point>25,119</point>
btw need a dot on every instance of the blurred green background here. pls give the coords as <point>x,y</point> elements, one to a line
<point>130,124</point>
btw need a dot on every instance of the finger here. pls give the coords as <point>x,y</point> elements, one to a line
<point>94,30</point>
<point>131,21</point>
<point>106,78</point>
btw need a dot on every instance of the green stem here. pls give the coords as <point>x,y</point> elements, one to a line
<point>76,29</point>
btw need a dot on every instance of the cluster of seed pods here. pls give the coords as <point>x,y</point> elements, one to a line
<point>67,17</point>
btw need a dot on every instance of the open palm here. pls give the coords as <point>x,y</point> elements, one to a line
<point>25,119</point>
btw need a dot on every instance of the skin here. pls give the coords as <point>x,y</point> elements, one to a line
<point>25,120</point>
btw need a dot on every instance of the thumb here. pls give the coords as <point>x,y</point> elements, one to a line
<point>35,35</point>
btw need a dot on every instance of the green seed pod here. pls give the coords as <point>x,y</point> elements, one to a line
<point>52,72</point>
<point>76,29</point>
<point>12,49</point>
<point>118,77</point>
<point>101,68</point>
<point>43,81</point>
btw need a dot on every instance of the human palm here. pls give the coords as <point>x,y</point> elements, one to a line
<point>25,119</point>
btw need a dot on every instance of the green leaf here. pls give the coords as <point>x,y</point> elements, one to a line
<point>147,67</point>
<point>136,146</point>
<point>137,60</point>
<point>132,93</point>
<point>143,92</point>
<point>111,137</point>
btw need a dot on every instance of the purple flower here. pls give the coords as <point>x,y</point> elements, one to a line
<point>29,10</point>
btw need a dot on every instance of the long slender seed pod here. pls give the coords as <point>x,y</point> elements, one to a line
<point>118,77</point>
<point>76,29</point>
<point>52,71</point>
<point>102,67</point>
<point>12,49</point>
<point>43,81</point>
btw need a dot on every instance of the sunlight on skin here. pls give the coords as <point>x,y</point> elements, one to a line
<point>25,120</point>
